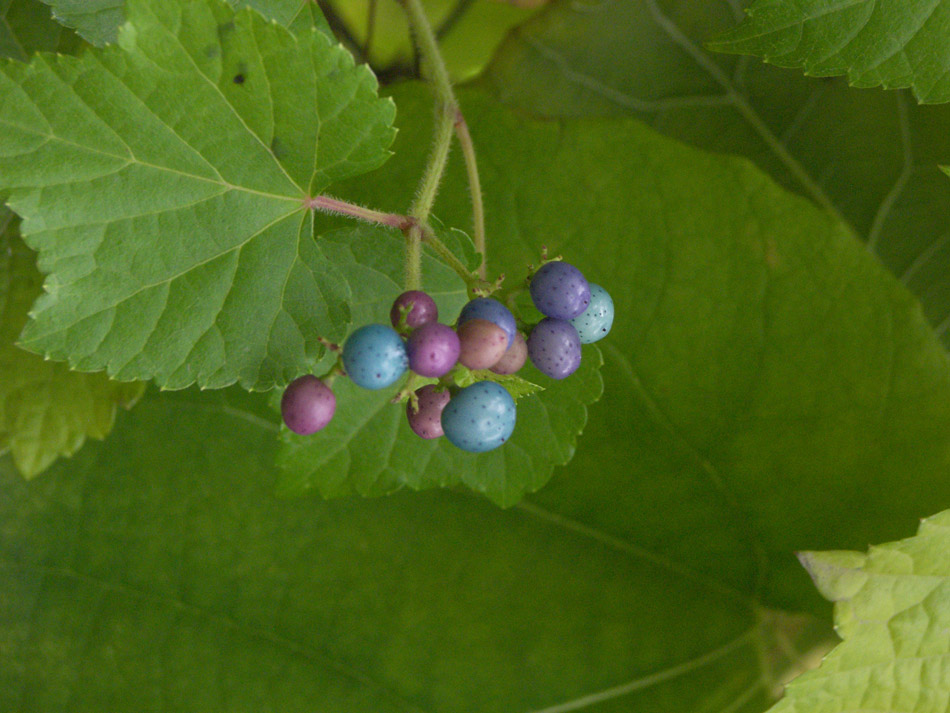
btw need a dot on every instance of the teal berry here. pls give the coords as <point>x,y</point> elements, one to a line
<point>374,356</point>
<point>479,418</point>
<point>595,322</point>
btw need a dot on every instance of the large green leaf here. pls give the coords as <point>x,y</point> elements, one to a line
<point>872,156</point>
<point>98,21</point>
<point>156,571</point>
<point>340,460</point>
<point>46,411</point>
<point>26,27</point>
<point>769,387</point>
<point>163,183</point>
<point>892,608</point>
<point>898,44</point>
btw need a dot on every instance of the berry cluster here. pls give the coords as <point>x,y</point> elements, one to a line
<point>479,417</point>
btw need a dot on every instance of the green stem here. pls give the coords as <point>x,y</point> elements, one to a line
<point>442,250</point>
<point>414,258</point>
<point>475,187</point>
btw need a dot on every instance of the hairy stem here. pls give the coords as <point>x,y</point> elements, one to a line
<point>335,206</point>
<point>414,258</point>
<point>475,186</point>
<point>442,250</point>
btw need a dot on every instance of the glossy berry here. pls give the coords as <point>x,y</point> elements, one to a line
<point>479,417</point>
<point>374,356</point>
<point>555,348</point>
<point>307,405</point>
<point>560,291</point>
<point>482,344</point>
<point>427,421</point>
<point>433,349</point>
<point>595,322</point>
<point>513,359</point>
<point>492,311</point>
<point>421,309</point>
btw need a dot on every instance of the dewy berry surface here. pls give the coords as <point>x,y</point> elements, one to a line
<point>480,417</point>
<point>513,359</point>
<point>433,349</point>
<point>307,405</point>
<point>491,310</point>
<point>482,344</point>
<point>422,311</point>
<point>595,322</point>
<point>555,348</point>
<point>427,421</point>
<point>374,356</point>
<point>559,290</point>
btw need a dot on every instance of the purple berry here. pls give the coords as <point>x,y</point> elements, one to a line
<point>433,349</point>
<point>427,421</point>
<point>513,359</point>
<point>560,291</point>
<point>307,405</point>
<point>555,348</point>
<point>482,344</point>
<point>420,309</point>
<point>490,310</point>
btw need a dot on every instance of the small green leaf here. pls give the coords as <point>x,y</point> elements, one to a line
<point>514,384</point>
<point>164,183</point>
<point>894,45</point>
<point>98,21</point>
<point>892,610</point>
<point>46,411</point>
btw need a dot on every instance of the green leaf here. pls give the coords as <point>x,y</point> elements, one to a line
<point>762,370</point>
<point>157,571</point>
<point>26,27</point>
<point>98,21</point>
<point>872,156</point>
<point>164,183</point>
<point>46,411</point>
<point>514,384</point>
<point>895,45</point>
<point>892,608</point>
<point>337,462</point>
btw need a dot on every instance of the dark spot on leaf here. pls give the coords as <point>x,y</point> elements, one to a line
<point>212,51</point>
<point>239,78</point>
<point>277,148</point>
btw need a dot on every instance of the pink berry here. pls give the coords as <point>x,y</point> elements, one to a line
<point>482,343</point>
<point>513,359</point>
<point>427,421</point>
<point>307,405</point>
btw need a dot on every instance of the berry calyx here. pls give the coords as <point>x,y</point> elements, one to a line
<point>482,344</point>
<point>513,359</point>
<point>479,418</point>
<point>426,420</point>
<point>491,310</point>
<point>307,405</point>
<point>374,356</point>
<point>594,323</point>
<point>412,309</point>
<point>560,291</point>
<point>433,349</point>
<point>555,348</point>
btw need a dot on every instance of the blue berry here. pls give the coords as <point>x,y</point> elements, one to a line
<point>560,291</point>
<point>491,310</point>
<point>555,348</point>
<point>374,356</point>
<point>595,322</point>
<point>479,417</point>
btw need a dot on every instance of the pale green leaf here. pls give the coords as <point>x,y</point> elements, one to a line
<point>156,571</point>
<point>163,183</point>
<point>98,21</point>
<point>46,411</point>
<point>895,44</point>
<point>26,27</point>
<point>892,610</point>
<point>514,384</point>
<point>869,155</point>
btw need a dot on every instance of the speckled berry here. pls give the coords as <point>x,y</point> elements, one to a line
<point>307,405</point>
<point>374,356</point>
<point>433,349</point>
<point>560,291</point>
<point>555,348</point>
<point>492,311</point>
<point>595,322</point>
<point>482,344</point>
<point>513,359</point>
<point>426,422</point>
<point>421,309</point>
<point>479,417</point>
